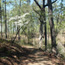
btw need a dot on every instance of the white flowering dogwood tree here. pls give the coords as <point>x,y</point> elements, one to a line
<point>19,21</point>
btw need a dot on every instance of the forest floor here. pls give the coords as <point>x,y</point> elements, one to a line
<point>14,54</point>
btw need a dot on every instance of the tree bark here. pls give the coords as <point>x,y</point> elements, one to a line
<point>51,22</point>
<point>19,15</point>
<point>44,16</point>
<point>45,36</point>
<point>42,21</point>
<point>1,18</point>
<point>5,22</point>
<point>41,34</point>
<point>1,26</point>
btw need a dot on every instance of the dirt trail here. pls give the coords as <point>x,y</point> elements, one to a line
<point>29,56</point>
<point>38,57</point>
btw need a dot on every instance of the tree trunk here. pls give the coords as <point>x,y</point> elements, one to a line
<point>53,39</point>
<point>18,33</point>
<point>44,16</point>
<point>41,24</point>
<point>19,15</point>
<point>1,18</point>
<point>41,34</point>
<point>1,26</point>
<point>13,28</point>
<point>5,22</point>
<point>8,29</point>
<point>45,36</point>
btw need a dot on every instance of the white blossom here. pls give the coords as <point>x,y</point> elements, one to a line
<point>18,17</point>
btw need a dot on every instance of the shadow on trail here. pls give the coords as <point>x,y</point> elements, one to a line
<point>14,54</point>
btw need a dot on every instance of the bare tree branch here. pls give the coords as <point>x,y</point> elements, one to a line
<point>36,11</point>
<point>38,4</point>
<point>46,5</point>
<point>51,3</point>
<point>54,1</point>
